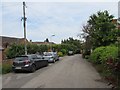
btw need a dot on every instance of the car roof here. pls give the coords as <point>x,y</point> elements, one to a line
<point>26,55</point>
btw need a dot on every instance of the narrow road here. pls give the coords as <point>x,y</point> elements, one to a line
<point>69,72</point>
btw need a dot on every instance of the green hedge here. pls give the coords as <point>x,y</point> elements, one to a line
<point>60,54</point>
<point>18,49</point>
<point>106,60</point>
<point>96,55</point>
<point>101,54</point>
<point>6,67</point>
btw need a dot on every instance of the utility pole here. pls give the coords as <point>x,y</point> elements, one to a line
<point>24,25</point>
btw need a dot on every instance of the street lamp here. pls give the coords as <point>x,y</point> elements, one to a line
<point>51,37</point>
<point>51,41</point>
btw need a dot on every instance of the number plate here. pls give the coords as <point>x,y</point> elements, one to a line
<point>18,68</point>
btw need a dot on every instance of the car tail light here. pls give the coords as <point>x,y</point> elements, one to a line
<point>27,61</point>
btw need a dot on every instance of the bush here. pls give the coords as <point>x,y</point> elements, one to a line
<point>102,54</point>
<point>6,67</point>
<point>108,63</point>
<point>96,55</point>
<point>85,53</point>
<point>87,57</point>
<point>18,49</point>
<point>60,54</point>
<point>15,50</point>
<point>109,52</point>
<point>64,51</point>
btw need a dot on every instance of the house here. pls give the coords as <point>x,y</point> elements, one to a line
<point>115,21</point>
<point>6,42</point>
<point>43,43</point>
<point>1,55</point>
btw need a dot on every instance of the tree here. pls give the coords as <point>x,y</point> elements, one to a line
<point>74,42</point>
<point>47,40</point>
<point>100,29</point>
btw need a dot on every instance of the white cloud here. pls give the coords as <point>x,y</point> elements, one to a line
<point>61,0</point>
<point>63,19</point>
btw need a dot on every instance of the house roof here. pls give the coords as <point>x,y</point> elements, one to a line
<point>115,21</point>
<point>43,43</point>
<point>9,40</point>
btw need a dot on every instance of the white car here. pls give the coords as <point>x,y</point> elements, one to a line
<point>70,53</point>
<point>51,56</point>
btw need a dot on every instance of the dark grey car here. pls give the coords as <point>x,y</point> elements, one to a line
<point>29,63</point>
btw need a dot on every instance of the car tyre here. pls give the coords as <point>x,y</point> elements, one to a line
<point>53,61</point>
<point>58,59</point>
<point>46,63</point>
<point>15,71</point>
<point>33,69</point>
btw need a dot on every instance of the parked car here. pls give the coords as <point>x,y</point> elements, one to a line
<point>56,56</point>
<point>70,53</point>
<point>29,62</point>
<point>51,56</point>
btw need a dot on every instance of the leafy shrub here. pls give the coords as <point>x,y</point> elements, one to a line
<point>109,52</point>
<point>85,53</point>
<point>6,67</point>
<point>18,49</point>
<point>87,57</point>
<point>60,54</point>
<point>15,50</point>
<point>96,55</point>
<point>64,51</point>
<point>108,62</point>
<point>101,54</point>
<point>0,68</point>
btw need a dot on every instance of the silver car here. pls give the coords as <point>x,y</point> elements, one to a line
<point>51,56</point>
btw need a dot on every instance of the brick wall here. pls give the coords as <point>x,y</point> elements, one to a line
<point>0,56</point>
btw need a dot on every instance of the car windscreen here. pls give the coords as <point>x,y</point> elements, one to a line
<point>21,58</point>
<point>47,54</point>
<point>39,56</point>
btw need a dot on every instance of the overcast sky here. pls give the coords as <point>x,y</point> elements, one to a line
<point>63,19</point>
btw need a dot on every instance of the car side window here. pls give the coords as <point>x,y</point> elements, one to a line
<point>39,57</point>
<point>29,57</point>
<point>34,57</point>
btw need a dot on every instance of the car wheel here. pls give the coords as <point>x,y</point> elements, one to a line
<point>33,68</point>
<point>54,61</point>
<point>46,63</point>
<point>15,71</point>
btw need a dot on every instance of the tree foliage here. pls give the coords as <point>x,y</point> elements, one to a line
<point>100,29</point>
<point>102,54</point>
<point>18,49</point>
<point>72,41</point>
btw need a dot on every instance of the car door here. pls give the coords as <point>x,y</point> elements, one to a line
<point>43,62</point>
<point>39,59</point>
<point>36,61</point>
